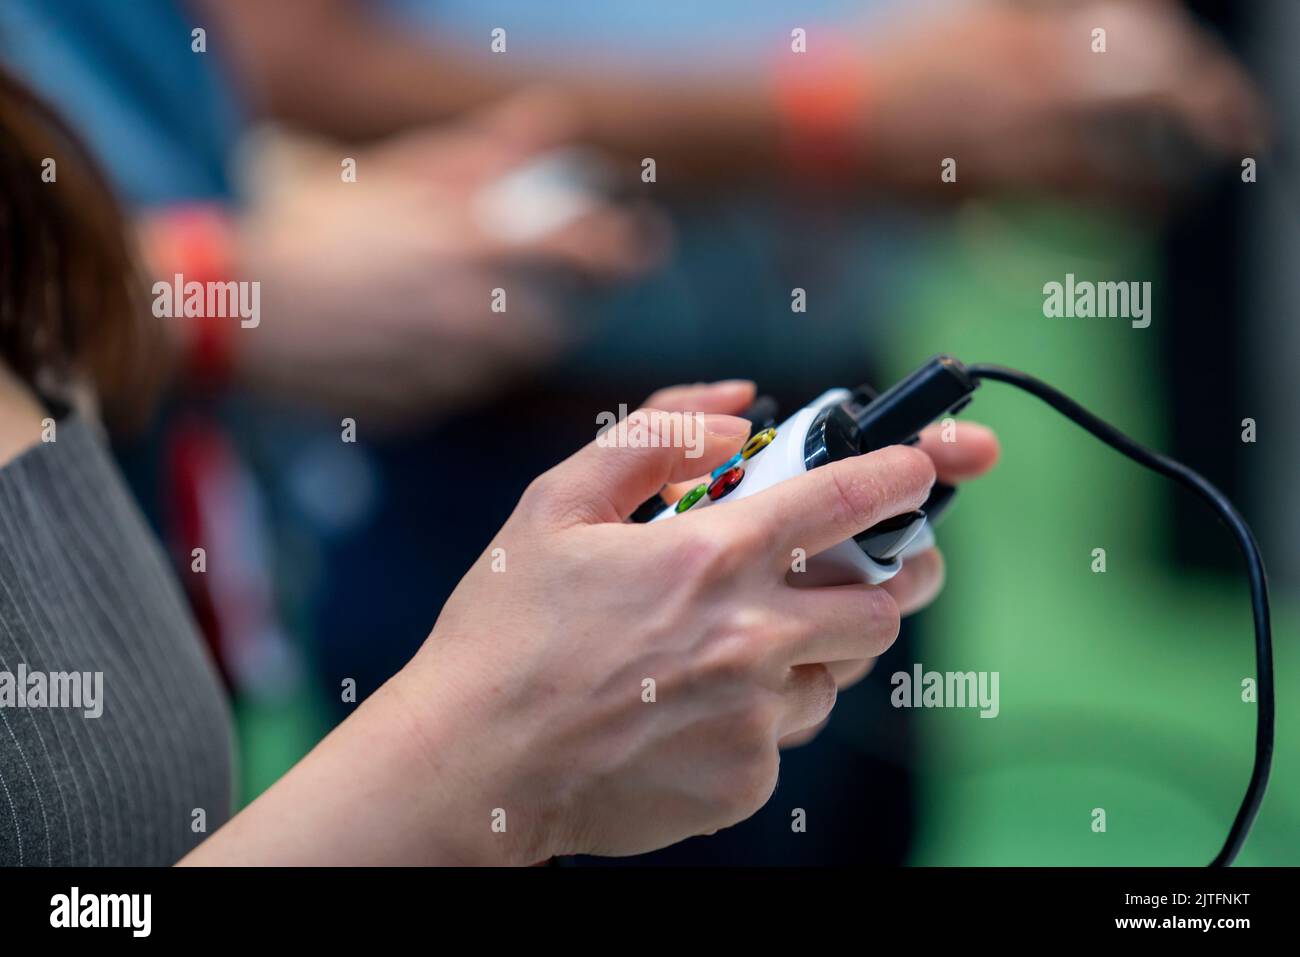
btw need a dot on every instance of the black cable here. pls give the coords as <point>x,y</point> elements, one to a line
<point>1254,565</point>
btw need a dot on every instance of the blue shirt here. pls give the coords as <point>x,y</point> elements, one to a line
<point>161,118</point>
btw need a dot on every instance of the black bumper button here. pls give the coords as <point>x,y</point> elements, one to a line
<point>886,540</point>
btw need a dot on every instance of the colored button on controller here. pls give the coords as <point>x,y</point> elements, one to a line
<point>726,466</point>
<point>690,498</point>
<point>757,443</point>
<point>726,483</point>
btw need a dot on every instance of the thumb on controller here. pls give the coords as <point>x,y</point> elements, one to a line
<point>633,459</point>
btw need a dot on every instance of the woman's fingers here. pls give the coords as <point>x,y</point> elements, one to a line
<point>841,622</point>
<point>855,624</point>
<point>967,451</point>
<point>920,580</point>
<point>821,508</point>
<point>841,615</point>
<point>632,460</point>
<point>845,674</point>
<point>728,396</point>
<point>797,738</point>
<point>809,695</point>
<point>849,673</point>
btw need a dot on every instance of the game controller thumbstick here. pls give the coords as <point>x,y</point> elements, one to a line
<point>838,424</point>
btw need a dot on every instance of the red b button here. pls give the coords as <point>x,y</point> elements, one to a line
<point>726,483</point>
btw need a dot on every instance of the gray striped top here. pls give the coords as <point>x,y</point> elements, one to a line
<point>88,601</point>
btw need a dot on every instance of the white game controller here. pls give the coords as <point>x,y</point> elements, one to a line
<point>837,424</point>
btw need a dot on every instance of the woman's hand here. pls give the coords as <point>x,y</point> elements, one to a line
<point>629,683</point>
<point>598,686</point>
<point>377,296</point>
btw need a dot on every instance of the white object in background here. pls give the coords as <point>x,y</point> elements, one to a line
<point>544,195</point>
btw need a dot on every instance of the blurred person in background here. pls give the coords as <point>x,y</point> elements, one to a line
<point>348,272</point>
<point>1011,90</point>
<point>885,89</point>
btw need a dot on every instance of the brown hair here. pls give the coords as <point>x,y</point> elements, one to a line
<point>70,305</point>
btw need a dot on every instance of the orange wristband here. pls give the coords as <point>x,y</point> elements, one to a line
<point>822,99</point>
<point>195,243</point>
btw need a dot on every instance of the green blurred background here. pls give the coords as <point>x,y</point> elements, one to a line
<point>1120,690</point>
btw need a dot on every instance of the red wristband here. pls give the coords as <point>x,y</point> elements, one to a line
<point>822,99</point>
<point>195,243</point>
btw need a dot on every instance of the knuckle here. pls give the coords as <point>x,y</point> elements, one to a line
<point>737,656</point>
<point>855,494</point>
<point>552,498</point>
<point>735,547</point>
<point>717,550</point>
<point>697,554</point>
<point>542,491</point>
